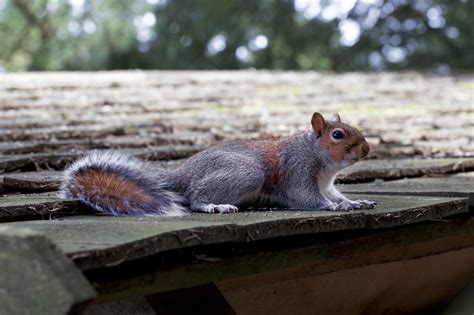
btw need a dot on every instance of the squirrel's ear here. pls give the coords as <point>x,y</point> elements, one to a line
<point>318,123</point>
<point>336,118</point>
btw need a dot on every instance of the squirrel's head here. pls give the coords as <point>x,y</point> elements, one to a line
<point>344,143</point>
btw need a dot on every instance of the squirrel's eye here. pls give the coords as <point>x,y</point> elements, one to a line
<point>337,135</point>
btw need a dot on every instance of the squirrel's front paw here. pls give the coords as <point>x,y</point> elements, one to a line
<point>365,204</point>
<point>211,208</point>
<point>345,206</point>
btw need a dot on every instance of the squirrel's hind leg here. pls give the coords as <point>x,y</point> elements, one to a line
<point>212,208</point>
<point>222,192</point>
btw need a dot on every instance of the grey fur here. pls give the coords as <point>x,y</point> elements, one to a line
<point>228,173</point>
<point>232,174</point>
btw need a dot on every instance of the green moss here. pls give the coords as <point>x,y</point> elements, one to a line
<point>376,109</point>
<point>294,90</point>
<point>217,106</point>
<point>280,106</point>
<point>468,85</point>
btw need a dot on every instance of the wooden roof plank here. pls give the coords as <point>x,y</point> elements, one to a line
<point>33,181</point>
<point>45,205</point>
<point>95,241</point>
<point>369,170</point>
<point>58,161</point>
<point>236,268</point>
<point>460,185</point>
<point>37,277</point>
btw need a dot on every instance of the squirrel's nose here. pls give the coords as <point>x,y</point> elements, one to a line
<point>365,149</point>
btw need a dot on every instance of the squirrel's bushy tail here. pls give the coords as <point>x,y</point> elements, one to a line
<point>118,184</point>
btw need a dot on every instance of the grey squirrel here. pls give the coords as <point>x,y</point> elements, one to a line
<point>296,172</point>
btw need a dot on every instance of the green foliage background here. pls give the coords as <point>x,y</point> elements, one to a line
<point>109,34</point>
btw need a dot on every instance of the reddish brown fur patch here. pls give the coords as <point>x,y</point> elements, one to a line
<point>271,150</point>
<point>338,150</point>
<point>110,189</point>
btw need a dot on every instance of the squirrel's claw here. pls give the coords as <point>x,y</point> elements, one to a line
<point>367,204</point>
<point>347,205</point>
<point>363,204</point>
<point>223,208</point>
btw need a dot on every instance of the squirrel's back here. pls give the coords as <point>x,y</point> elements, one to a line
<point>118,184</point>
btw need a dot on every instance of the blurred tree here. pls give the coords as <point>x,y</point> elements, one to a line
<point>207,34</point>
